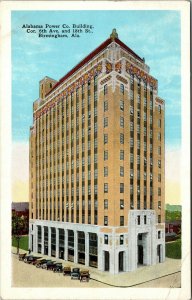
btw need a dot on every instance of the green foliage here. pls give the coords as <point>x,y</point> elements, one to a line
<point>23,243</point>
<point>173,249</point>
<point>172,215</point>
<point>19,225</point>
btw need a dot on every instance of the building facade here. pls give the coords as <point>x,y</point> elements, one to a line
<point>97,163</point>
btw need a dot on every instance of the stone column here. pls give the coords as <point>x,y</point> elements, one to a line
<point>57,243</point>
<point>75,247</point>
<point>42,240</point>
<point>49,241</point>
<point>66,245</point>
<point>86,249</point>
<point>112,261</point>
<point>100,254</point>
<point>35,238</point>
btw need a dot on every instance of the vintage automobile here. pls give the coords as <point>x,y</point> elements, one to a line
<point>75,273</point>
<point>50,265</point>
<point>84,275</point>
<point>66,271</point>
<point>40,263</point>
<point>49,262</point>
<point>22,256</point>
<point>30,258</point>
<point>58,267</point>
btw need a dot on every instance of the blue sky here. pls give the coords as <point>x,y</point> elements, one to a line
<point>154,35</point>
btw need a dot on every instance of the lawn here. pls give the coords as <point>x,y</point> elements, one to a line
<point>23,242</point>
<point>173,249</point>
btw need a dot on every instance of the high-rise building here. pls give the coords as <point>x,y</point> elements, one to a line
<point>97,163</point>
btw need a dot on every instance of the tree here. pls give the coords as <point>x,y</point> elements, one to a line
<point>19,224</point>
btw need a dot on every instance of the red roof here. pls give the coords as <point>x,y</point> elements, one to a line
<point>90,56</point>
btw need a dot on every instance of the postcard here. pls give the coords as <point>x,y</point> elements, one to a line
<point>95,156</point>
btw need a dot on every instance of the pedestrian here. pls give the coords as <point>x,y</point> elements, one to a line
<point>29,251</point>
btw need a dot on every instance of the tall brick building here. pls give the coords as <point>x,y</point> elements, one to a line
<point>97,163</point>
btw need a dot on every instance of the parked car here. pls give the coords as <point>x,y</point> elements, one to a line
<point>75,273</point>
<point>84,275</point>
<point>22,256</point>
<point>58,267</point>
<point>50,265</point>
<point>32,259</point>
<point>28,258</point>
<point>66,271</point>
<point>41,262</point>
<point>44,266</point>
<point>37,261</point>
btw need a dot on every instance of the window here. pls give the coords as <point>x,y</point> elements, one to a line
<point>121,105</point>
<point>121,171</point>
<point>105,155</point>
<point>131,142</point>
<point>131,126</point>
<point>159,218</point>
<point>105,105</point>
<point>105,138</point>
<point>159,150</point>
<point>159,177</point>
<point>159,164</point>
<point>145,116</point>
<point>122,88</point>
<point>105,171</point>
<point>105,187</point>
<point>138,114</point>
<point>121,138</point>
<point>105,123</point>
<point>105,89</point>
<point>138,144</point>
<point>159,191</point>
<point>105,204</point>
<point>121,154</point>
<point>145,219</point>
<point>121,204</point>
<point>105,238</point>
<point>159,108</point>
<point>121,220</point>
<point>159,234</point>
<point>138,128</point>
<point>140,236</point>
<point>159,136</point>
<point>159,123</point>
<point>105,220</point>
<point>122,122</point>
<point>159,204</point>
<point>121,239</point>
<point>138,220</point>
<point>138,159</point>
<point>121,187</point>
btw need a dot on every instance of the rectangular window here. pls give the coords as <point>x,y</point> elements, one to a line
<point>159,177</point>
<point>105,238</point>
<point>105,155</point>
<point>159,204</point>
<point>105,204</point>
<point>122,122</point>
<point>105,105</point>
<point>121,154</point>
<point>159,234</point>
<point>131,126</point>
<point>159,136</point>
<point>105,187</point>
<point>121,171</point>
<point>145,219</point>
<point>121,105</point>
<point>105,220</point>
<point>121,239</point>
<point>159,108</point>
<point>105,122</point>
<point>159,123</point>
<point>159,191</point>
<point>105,138</point>
<point>122,88</point>
<point>121,220</point>
<point>159,218</point>
<point>159,164</point>
<point>138,220</point>
<point>105,89</point>
<point>121,204</point>
<point>121,187</point>
<point>105,171</point>
<point>159,150</point>
<point>121,138</point>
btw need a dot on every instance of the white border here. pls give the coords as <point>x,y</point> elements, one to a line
<point>7,292</point>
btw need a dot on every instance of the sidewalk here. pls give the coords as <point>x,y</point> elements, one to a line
<point>141,275</point>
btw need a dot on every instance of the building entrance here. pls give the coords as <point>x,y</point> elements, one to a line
<point>159,253</point>
<point>140,254</point>
<point>121,261</point>
<point>106,258</point>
